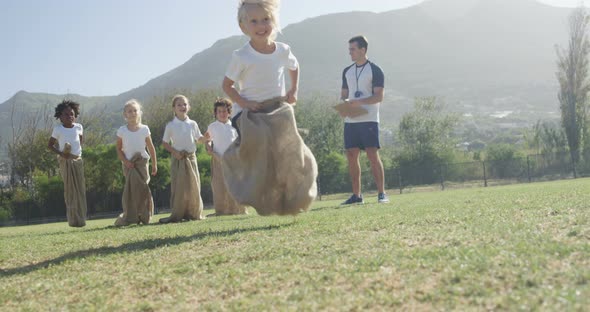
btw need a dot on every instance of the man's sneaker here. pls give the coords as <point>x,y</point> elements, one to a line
<point>353,200</point>
<point>382,198</point>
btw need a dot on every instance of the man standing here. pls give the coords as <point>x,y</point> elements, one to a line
<point>362,87</point>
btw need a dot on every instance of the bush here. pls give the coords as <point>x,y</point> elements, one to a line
<point>333,173</point>
<point>22,204</point>
<point>49,196</point>
<point>505,161</point>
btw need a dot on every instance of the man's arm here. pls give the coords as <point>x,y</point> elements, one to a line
<point>377,97</point>
<point>344,94</point>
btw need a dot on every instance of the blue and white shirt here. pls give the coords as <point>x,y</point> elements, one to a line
<point>360,80</point>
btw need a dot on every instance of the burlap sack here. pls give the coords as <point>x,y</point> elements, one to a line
<point>223,201</point>
<point>72,173</point>
<point>185,198</point>
<point>269,167</point>
<point>137,200</point>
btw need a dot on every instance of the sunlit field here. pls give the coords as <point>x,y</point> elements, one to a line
<point>516,247</point>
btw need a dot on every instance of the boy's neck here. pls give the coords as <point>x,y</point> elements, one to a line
<point>264,47</point>
<point>68,126</point>
<point>182,117</point>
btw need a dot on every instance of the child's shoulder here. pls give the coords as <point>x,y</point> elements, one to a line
<point>282,45</point>
<point>170,123</point>
<point>245,49</point>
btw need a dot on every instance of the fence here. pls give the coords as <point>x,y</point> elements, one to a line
<point>532,168</point>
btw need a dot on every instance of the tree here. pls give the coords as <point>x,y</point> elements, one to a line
<point>572,75</point>
<point>426,138</point>
<point>547,138</point>
<point>27,149</point>
<point>324,126</point>
<point>99,124</point>
<point>427,132</point>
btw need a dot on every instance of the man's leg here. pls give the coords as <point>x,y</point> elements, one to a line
<point>354,169</point>
<point>376,167</point>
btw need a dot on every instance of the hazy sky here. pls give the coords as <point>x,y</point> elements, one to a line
<point>105,47</point>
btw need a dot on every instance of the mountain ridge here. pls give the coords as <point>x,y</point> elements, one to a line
<point>498,49</point>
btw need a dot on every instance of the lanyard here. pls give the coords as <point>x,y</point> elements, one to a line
<point>358,75</point>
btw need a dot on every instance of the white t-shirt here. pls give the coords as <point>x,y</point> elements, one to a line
<point>258,76</point>
<point>134,141</point>
<point>222,135</point>
<point>183,134</point>
<point>72,135</point>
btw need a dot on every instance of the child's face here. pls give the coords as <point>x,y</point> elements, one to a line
<point>181,108</point>
<point>67,117</point>
<point>132,113</point>
<point>258,24</point>
<point>222,114</point>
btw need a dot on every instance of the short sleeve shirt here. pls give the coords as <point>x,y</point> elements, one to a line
<point>72,135</point>
<point>259,76</point>
<point>134,141</point>
<point>182,134</point>
<point>360,80</point>
<point>222,135</point>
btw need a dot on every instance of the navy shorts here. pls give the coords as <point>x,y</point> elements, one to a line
<point>361,135</point>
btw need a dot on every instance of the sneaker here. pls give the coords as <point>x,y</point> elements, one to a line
<point>382,198</point>
<point>354,200</point>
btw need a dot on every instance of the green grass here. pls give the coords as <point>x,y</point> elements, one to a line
<point>517,247</point>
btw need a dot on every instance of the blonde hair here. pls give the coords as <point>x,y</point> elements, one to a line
<point>271,7</point>
<point>176,98</point>
<point>134,102</point>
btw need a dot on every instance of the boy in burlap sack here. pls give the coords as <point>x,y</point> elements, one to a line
<point>179,139</point>
<point>268,167</point>
<point>222,135</point>
<point>132,141</point>
<point>66,141</point>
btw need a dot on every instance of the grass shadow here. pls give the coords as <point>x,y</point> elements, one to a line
<point>133,247</point>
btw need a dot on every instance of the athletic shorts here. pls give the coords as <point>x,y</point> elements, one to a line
<point>361,135</point>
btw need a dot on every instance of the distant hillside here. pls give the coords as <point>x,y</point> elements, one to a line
<point>481,56</point>
<point>24,102</point>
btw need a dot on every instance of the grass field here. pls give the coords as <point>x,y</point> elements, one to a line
<point>517,247</point>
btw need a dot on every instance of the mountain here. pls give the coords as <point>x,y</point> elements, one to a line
<point>481,56</point>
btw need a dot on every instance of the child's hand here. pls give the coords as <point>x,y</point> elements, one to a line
<point>252,105</point>
<point>177,155</point>
<point>207,136</point>
<point>128,164</point>
<point>291,97</point>
<point>154,169</point>
<point>209,148</point>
